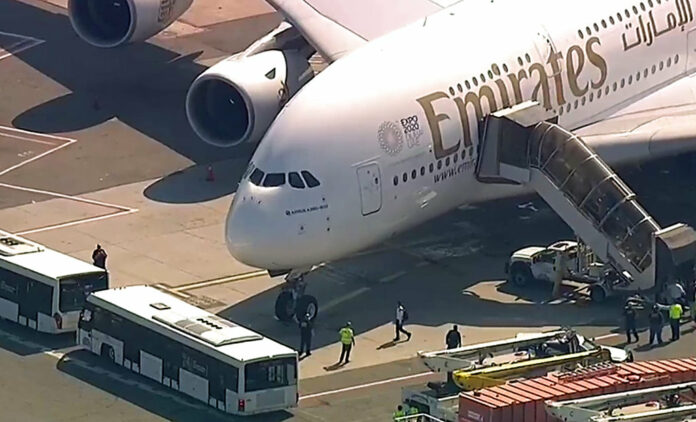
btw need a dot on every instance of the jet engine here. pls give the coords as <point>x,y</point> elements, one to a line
<point>110,23</point>
<point>236,100</point>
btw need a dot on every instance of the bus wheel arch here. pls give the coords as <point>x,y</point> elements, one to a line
<point>108,352</point>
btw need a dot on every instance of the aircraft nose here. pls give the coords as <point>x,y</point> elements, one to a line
<point>246,234</point>
<point>262,231</point>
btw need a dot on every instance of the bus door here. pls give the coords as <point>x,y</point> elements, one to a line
<point>35,305</point>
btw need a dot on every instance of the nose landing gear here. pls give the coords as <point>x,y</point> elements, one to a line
<point>293,302</point>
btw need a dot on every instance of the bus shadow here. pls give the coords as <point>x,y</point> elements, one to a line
<point>147,394</point>
<point>23,341</point>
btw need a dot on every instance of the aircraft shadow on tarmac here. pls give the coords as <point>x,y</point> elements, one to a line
<point>439,279</point>
<point>200,183</point>
<point>143,85</point>
<point>147,394</point>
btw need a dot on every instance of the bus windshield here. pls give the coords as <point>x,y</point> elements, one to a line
<point>74,290</point>
<point>268,374</point>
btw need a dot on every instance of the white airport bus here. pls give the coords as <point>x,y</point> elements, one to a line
<point>43,289</point>
<point>190,350</point>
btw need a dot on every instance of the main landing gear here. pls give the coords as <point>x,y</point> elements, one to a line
<point>292,300</point>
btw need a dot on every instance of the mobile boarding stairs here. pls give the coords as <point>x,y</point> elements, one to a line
<point>518,146</point>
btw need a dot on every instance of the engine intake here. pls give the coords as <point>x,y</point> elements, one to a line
<point>111,23</point>
<point>236,100</point>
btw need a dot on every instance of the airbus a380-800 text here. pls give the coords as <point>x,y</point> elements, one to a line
<point>385,138</point>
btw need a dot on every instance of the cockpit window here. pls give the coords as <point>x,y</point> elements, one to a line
<point>274,179</point>
<point>295,180</point>
<point>256,177</point>
<point>310,179</point>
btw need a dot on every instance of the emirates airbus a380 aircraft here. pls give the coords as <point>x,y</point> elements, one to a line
<point>385,138</point>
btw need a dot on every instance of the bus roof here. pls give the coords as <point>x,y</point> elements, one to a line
<point>39,259</point>
<point>183,320</point>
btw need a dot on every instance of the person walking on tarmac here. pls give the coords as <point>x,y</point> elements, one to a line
<point>306,331</point>
<point>401,318</point>
<point>347,342</point>
<point>99,257</point>
<point>630,320</point>
<point>655,321</point>
<point>675,314</point>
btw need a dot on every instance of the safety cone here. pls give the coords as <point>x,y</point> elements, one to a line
<point>211,175</point>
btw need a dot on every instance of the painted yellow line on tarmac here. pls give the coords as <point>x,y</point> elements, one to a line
<point>217,281</point>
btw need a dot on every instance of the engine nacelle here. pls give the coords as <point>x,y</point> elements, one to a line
<point>237,99</point>
<point>110,23</point>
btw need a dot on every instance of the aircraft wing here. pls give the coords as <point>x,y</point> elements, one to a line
<point>659,125</point>
<point>336,27</point>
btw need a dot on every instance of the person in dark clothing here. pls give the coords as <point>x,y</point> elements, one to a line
<point>99,257</point>
<point>401,318</point>
<point>453,339</point>
<point>306,332</point>
<point>655,320</point>
<point>630,321</point>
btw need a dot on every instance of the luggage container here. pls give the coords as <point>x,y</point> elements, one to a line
<point>523,401</point>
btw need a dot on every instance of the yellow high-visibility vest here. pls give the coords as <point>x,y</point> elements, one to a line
<point>346,335</point>
<point>675,311</point>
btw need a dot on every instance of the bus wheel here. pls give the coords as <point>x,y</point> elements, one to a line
<point>285,306</point>
<point>108,352</point>
<point>307,305</point>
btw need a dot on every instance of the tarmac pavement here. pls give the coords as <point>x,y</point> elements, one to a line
<point>95,148</point>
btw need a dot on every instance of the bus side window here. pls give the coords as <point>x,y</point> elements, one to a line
<point>9,286</point>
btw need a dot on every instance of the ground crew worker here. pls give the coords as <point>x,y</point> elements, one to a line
<point>99,257</point>
<point>630,321</point>
<point>401,317</point>
<point>675,313</point>
<point>306,329</point>
<point>453,340</point>
<point>399,413</point>
<point>413,411</point>
<point>655,321</point>
<point>347,342</point>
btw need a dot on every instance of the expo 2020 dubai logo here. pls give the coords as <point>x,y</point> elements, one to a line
<point>390,138</point>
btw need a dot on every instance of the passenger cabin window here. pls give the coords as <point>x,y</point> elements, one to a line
<point>256,177</point>
<point>295,180</point>
<point>310,179</point>
<point>274,179</point>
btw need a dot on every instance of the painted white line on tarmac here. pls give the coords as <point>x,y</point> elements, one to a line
<point>339,300</point>
<point>606,336</point>
<point>71,197</point>
<point>36,134</point>
<point>43,154</point>
<point>368,385</point>
<point>392,277</point>
<point>30,42</point>
<point>77,222</point>
<point>25,138</point>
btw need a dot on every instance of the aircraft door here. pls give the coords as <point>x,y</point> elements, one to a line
<point>370,184</point>
<point>691,51</point>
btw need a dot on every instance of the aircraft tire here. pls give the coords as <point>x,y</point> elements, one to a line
<point>285,306</point>
<point>307,304</point>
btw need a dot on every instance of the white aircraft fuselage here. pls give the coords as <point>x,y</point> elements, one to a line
<point>391,130</point>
